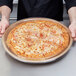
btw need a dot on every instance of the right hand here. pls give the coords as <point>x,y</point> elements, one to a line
<point>4,23</point>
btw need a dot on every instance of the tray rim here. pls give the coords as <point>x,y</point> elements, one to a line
<point>30,61</point>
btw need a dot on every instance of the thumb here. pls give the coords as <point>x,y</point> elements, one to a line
<point>0,26</point>
<point>3,30</point>
<point>73,33</point>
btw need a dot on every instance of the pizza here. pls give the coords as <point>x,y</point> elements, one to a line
<point>38,39</point>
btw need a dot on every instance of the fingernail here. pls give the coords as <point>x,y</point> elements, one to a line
<point>2,31</point>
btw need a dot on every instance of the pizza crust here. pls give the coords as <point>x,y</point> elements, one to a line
<point>38,39</point>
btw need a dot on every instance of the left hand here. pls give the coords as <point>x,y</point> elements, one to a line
<point>72,28</point>
<point>4,23</point>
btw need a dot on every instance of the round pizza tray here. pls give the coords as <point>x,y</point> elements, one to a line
<point>4,38</point>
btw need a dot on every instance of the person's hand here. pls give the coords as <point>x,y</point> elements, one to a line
<point>72,28</point>
<point>4,23</point>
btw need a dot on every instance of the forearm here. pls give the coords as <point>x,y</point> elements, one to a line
<point>5,12</point>
<point>72,14</point>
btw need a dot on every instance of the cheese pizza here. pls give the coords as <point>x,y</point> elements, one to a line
<point>36,39</point>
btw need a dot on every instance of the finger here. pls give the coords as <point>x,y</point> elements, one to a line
<point>3,30</point>
<point>73,33</point>
<point>74,39</point>
<point>0,33</point>
<point>0,27</point>
<point>0,36</point>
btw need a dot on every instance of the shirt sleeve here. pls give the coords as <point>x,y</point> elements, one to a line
<point>70,3</point>
<point>8,3</point>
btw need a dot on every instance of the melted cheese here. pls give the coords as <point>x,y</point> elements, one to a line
<point>34,38</point>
